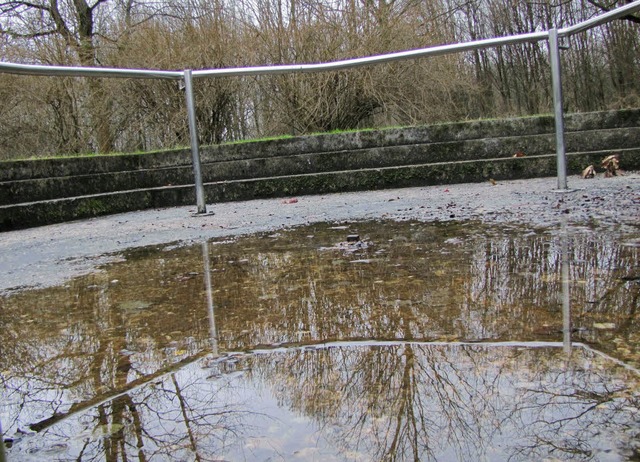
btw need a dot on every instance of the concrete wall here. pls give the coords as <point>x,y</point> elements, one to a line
<point>44,191</point>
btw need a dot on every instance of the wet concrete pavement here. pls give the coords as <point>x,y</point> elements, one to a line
<point>49,255</point>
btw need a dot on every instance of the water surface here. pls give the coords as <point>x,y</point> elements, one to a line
<point>442,341</point>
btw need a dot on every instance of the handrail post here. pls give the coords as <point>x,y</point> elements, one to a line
<point>195,147</point>
<point>556,82</point>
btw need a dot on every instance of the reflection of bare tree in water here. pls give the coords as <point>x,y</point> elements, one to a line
<point>173,414</point>
<point>568,414</point>
<point>110,370</point>
<point>420,402</point>
<point>385,402</point>
<point>181,416</point>
<point>113,419</point>
<point>406,401</point>
<point>44,371</point>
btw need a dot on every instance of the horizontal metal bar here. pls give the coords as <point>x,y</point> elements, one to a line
<point>600,19</point>
<point>370,60</point>
<point>70,71</point>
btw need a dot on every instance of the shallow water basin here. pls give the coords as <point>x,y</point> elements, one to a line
<point>356,341</point>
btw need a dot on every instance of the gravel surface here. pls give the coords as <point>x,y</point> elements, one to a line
<point>49,255</point>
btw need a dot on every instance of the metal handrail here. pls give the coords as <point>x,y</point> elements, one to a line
<point>372,60</point>
<point>551,36</point>
<point>80,71</point>
<point>77,71</point>
<point>601,19</point>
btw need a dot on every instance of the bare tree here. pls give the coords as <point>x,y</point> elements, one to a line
<point>74,23</point>
<point>53,116</point>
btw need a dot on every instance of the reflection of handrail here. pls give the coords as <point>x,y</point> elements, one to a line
<point>213,333</point>
<point>113,394</point>
<point>491,344</point>
<point>551,36</point>
<point>217,357</point>
<point>566,299</point>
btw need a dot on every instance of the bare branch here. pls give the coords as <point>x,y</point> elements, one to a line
<point>611,6</point>
<point>96,4</point>
<point>61,26</point>
<point>6,7</point>
<point>45,33</point>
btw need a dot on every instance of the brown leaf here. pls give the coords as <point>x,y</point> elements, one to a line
<point>589,172</point>
<point>611,165</point>
<point>519,154</point>
<point>609,159</point>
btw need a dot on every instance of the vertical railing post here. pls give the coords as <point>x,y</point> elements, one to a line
<point>556,82</point>
<point>195,147</point>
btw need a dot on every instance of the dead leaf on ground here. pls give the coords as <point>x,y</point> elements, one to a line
<point>493,182</point>
<point>589,172</point>
<point>611,165</point>
<point>519,154</point>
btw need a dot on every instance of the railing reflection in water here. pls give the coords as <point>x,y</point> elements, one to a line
<point>178,388</point>
<point>365,401</point>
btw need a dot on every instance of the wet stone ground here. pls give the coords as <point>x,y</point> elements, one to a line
<point>374,340</point>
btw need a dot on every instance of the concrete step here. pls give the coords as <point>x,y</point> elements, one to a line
<point>326,143</point>
<point>87,165</point>
<point>500,168</point>
<point>440,133</point>
<point>31,190</point>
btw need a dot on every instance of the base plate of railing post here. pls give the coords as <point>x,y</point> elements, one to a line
<point>202,214</point>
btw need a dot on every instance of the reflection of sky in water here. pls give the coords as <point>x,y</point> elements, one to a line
<point>364,401</point>
<point>69,348</point>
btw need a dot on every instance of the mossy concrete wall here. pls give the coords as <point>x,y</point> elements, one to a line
<point>47,191</point>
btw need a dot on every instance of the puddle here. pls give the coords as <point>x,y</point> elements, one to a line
<point>415,341</point>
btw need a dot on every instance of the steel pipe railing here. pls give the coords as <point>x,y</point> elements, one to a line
<point>76,71</point>
<point>195,143</point>
<point>372,60</point>
<point>601,19</point>
<point>558,112</point>
<point>553,36</point>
